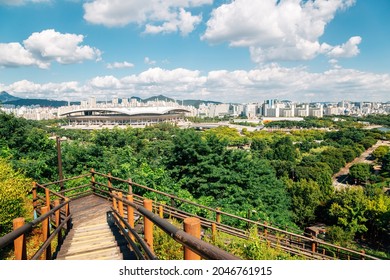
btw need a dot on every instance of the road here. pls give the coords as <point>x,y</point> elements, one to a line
<point>341,177</point>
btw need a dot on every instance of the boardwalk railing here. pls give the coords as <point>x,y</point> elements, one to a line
<point>167,205</point>
<point>129,197</point>
<point>54,220</point>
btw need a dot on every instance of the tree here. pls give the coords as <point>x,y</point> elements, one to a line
<point>285,150</point>
<point>380,152</point>
<point>360,172</point>
<point>386,163</point>
<point>347,209</point>
<point>305,197</point>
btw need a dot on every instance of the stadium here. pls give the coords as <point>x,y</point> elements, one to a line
<point>133,116</point>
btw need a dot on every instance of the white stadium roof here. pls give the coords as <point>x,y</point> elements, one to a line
<point>132,111</point>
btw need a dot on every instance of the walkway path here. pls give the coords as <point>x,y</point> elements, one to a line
<point>91,236</point>
<point>341,177</point>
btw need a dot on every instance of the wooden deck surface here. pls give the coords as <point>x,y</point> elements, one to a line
<point>91,237</point>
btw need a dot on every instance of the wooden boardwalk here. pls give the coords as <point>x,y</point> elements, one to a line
<point>91,236</point>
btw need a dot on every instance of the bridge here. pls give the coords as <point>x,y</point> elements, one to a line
<point>105,217</point>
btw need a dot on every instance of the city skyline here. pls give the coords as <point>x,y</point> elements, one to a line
<point>238,51</point>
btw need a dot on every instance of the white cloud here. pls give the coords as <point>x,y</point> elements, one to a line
<point>279,30</point>
<point>42,48</point>
<point>157,16</point>
<point>120,65</point>
<point>184,22</point>
<point>15,55</point>
<point>349,49</point>
<point>268,82</point>
<point>149,61</point>
<point>63,48</point>
<point>106,82</point>
<point>61,91</point>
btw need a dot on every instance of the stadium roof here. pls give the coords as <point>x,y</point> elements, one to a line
<point>132,111</point>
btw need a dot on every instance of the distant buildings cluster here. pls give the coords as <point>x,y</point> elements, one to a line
<point>268,109</point>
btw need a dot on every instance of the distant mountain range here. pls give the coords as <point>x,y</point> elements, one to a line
<point>186,102</point>
<point>6,98</point>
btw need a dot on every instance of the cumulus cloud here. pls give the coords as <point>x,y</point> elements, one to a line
<point>15,55</point>
<point>63,48</point>
<point>157,16</point>
<point>349,49</point>
<point>279,29</point>
<point>28,89</point>
<point>42,48</point>
<point>256,85</point>
<point>120,65</point>
<point>183,22</point>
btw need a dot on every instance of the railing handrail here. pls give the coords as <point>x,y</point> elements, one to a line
<point>177,234</point>
<point>143,244</point>
<point>199,246</point>
<point>269,227</point>
<point>66,180</point>
<point>10,237</point>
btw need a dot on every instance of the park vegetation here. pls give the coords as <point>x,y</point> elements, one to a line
<point>284,178</point>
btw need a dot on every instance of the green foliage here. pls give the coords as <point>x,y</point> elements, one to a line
<point>360,172</point>
<point>14,187</point>
<point>225,133</point>
<point>380,152</point>
<point>252,248</point>
<point>165,247</point>
<point>386,163</point>
<point>306,197</point>
<point>285,178</point>
<point>348,210</point>
<point>339,236</point>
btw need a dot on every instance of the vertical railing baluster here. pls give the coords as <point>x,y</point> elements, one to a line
<point>20,242</point>
<point>192,227</point>
<point>46,231</point>
<point>148,224</point>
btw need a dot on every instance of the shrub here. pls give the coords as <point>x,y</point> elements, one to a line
<point>14,188</point>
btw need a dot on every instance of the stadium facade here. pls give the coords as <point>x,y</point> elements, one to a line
<point>133,116</point>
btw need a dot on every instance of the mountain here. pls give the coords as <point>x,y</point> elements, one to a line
<point>186,102</point>
<point>158,98</point>
<point>6,97</point>
<point>37,102</point>
<point>197,102</point>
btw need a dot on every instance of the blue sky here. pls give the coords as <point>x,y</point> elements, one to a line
<point>230,51</point>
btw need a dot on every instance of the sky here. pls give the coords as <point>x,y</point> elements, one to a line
<point>229,51</point>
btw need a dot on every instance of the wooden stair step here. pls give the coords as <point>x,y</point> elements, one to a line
<point>103,239</point>
<point>108,253</point>
<point>79,248</point>
<point>92,231</point>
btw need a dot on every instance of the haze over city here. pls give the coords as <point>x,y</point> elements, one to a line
<point>227,51</point>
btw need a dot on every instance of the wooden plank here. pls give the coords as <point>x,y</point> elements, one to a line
<point>90,237</point>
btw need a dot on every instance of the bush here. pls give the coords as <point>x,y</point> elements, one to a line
<point>339,236</point>
<point>14,188</point>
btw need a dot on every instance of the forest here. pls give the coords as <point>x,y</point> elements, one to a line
<point>282,177</point>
